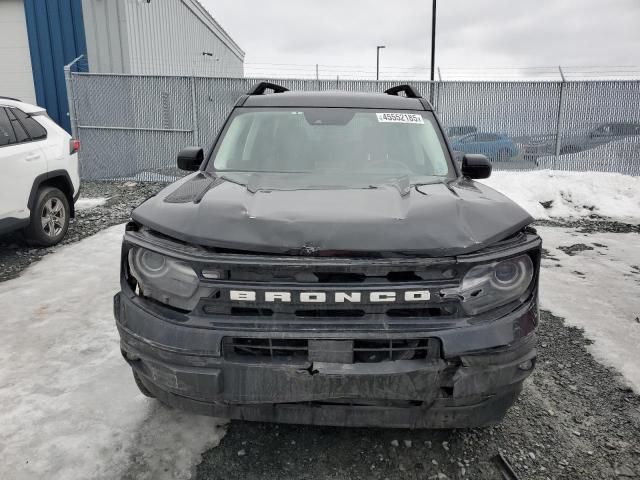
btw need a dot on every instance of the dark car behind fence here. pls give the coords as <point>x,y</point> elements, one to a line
<point>132,126</point>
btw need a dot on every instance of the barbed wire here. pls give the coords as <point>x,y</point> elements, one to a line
<point>217,67</point>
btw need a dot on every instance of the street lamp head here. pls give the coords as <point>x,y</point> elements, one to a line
<point>382,46</point>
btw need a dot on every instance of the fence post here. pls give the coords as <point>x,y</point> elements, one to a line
<point>556,157</point>
<point>71,100</point>
<point>194,113</point>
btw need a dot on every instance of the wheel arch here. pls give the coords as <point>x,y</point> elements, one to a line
<point>55,178</point>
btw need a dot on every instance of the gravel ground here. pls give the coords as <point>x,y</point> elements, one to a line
<point>574,420</point>
<point>591,224</point>
<point>16,255</point>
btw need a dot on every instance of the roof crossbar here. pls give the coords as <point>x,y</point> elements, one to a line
<point>408,90</point>
<point>260,88</point>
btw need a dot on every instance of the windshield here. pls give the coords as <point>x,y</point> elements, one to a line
<point>334,143</point>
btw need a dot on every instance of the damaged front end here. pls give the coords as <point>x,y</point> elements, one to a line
<point>360,340</point>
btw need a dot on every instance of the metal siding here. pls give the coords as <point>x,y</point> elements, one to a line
<point>56,37</point>
<point>105,36</point>
<point>161,38</point>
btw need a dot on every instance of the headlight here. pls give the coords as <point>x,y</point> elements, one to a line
<point>488,286</point>
<point>164,279</point>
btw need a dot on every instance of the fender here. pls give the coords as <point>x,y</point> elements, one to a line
<point>54,174</point>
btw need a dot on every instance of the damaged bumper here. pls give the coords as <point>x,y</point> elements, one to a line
<point>463,377</point>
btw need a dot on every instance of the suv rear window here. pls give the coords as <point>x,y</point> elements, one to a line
<point>18,129</point>
<point>34,129</point>
<point>333,141</point>
<point>6,130</point>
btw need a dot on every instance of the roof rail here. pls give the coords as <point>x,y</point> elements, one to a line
<point>10,98</point>
<point>408,90</point>
<point>260,88</point>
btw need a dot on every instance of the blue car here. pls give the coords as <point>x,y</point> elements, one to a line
<point>496,146</point>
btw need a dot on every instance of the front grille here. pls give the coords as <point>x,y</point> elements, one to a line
<point>319,313</point>
<point>313,275</point>
<point>265,347</point>
<point>305,317</point>
<point>337,351</point>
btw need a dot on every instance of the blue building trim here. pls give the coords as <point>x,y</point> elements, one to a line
<point>56,35</point>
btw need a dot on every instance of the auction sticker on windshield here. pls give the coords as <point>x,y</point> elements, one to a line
<point>399,118</point>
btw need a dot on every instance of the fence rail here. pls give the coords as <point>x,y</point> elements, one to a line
<point>132,126</point>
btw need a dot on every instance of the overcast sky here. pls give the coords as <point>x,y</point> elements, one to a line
<point>470,34</point>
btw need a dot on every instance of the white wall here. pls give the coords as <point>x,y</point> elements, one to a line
<point>16,78</point>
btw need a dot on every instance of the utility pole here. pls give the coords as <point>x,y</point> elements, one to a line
<point>378,60</point>
<point>433,40</point>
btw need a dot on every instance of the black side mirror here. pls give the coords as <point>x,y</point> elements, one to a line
<point>190,158</point>
<point>476,166</point>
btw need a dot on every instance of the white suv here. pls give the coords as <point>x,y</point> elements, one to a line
<point>39,178</point>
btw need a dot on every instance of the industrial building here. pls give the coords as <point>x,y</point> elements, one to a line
<point>147,37</point>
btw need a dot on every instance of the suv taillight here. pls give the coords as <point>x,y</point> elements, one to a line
<point>74,146</point>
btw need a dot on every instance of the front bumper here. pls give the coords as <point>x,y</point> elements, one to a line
<point>475,379</point>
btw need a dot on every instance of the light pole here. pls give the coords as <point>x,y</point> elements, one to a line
<point>378,60</point>
<point>433,40</point>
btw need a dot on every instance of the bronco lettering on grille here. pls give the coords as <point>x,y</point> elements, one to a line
<point>333,297</point>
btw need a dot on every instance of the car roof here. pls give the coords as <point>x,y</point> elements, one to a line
<point>25,107</point>
<point>334,99</point>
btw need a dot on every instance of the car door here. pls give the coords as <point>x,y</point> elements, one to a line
<point>21,161</point>
<point>484,144</point>
<point>467,144</point>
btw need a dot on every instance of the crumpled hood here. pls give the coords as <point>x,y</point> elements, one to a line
<point>435,219</point>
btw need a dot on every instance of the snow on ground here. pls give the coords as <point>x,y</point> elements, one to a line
<point>598,290</point>
<point>572,194</point>
<point>87,203</point>
<point>69,405</point>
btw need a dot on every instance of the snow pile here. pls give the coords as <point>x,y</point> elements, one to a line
<point>549,194</point>
<point>87,203</point>
<point>70,407</point>
<point>597,289</point>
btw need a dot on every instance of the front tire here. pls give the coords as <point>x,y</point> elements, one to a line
<point>49,220</point>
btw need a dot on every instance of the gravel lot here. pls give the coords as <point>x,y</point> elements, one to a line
<point>575,419</point>
<point>16,255</point>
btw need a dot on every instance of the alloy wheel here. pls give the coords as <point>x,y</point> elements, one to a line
<point>53,217</point>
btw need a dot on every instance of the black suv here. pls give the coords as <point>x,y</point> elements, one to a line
<point>328,263</point>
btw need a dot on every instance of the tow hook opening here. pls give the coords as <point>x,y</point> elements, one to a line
<point>526,365</point>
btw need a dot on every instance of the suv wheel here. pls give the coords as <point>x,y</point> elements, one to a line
<point>49,217</point>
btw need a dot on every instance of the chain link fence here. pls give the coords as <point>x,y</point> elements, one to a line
<point>132,127</point>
